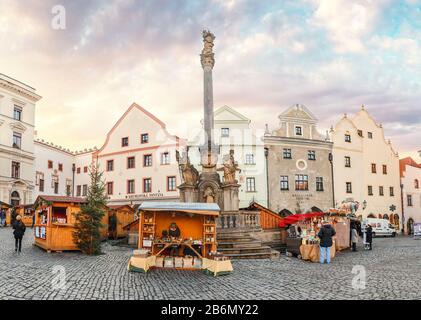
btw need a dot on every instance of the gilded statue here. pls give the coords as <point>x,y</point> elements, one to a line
<point>209,195</point>
<point>207,56</point>
<point>189,173</point>
<point>230,167</point>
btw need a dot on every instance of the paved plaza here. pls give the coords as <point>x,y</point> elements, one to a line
<point>393,271</point>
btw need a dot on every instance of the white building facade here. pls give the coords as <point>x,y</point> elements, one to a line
<point>17,119</point>
<point>411,192</point>
<point>366,168</point>
<point>233,131</point>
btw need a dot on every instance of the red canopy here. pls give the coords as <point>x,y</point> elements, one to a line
<point>299,217</point>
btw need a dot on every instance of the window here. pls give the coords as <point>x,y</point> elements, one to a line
<point>125,142</point>
<point>84,190</point>
<point>391,191</point>
<point>17,113</point>
<point>147,185</point>
<point>370,135</point>
<point>319,184</point>
<point>144,138</point>
<point>311,155</point>
<point>60,167</point>
<point>370,190</point>
<point>284,183</point>
<point>409,200</point>
<point>373,168</point>
<point>347,162</point>
<point>50,164</point>
<point>68,190</point>
<point>78,170</point>
<point>250,184</point>
<point>147,160</point>
<point>131,163</point>
<point>225,132</point>
<point>85,169</point>
<point>416,184</point>
<point>41,184</point>
<point>301,182</point>
<point>17,140</point>
<point>78,191</point>
<point>250,158</point>
<point>298,131</point>
<point>110,188</point>
<point>110,165</point>
<point>165,158</point>
<point>381,191</point>
<point>348,187</point>
<point>15,170</point>
<point>347,137</point>
<point>384,169</point>
<point>56,187</point>
<point>38,177</point>
<point>171,183</point>
<point>287,154</point>
<point>360,133</point>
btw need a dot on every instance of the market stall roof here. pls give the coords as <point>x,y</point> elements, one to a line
<point>61,199</point>
<point>299,217</point>
<point>191,207</point>
<point>4,204</point>
<point>119,206</point>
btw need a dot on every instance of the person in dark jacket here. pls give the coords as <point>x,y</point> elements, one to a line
<point>369,236</point>
<point>325,234</point>
<point>19,230</point>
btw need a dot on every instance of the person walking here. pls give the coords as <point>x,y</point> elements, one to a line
<point>369,236</point>
<point>325,234</point>
<point>354,238</point>
<point>2,218</point>
<point>19,231</point>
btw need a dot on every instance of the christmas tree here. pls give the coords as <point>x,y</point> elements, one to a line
<point>87,234</point>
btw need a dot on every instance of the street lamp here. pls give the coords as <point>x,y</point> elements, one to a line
<point>267,175</point>
<point>333,181</point>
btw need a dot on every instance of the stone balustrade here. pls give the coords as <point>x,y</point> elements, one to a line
<point>240,220</point>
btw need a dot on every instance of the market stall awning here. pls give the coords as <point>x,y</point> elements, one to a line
<point>190,207</point>
<point>299,217</point>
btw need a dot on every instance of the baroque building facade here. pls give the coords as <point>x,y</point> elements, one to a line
<point>410,172</point>
<point>299,170</point>
<point>366,168</point>
<point>233,131</point>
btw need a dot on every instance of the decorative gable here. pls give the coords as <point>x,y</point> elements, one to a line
<point>18,127</point>
<point>226,113</point>
<point>298,112</point>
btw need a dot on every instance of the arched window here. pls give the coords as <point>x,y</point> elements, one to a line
<point>416,184</point>
<point>371,216</point>
<point>315,209</point>
<point>385,216</point>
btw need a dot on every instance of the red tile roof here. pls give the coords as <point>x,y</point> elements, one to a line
<point>408,161</point>
<point>62,199</point>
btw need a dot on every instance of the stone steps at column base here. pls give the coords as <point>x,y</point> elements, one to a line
<point>239,244</point>
<point>270,255</point>
<point>242,250</point>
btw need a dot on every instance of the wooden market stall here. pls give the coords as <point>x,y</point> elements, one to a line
<point>302,240</point>
<point>179,235</point>
<point>119,216</point>
<point>54,222</point>
<point>4,207</point>
<point>27,214</point>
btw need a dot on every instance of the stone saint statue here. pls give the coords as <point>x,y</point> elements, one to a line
<point>189,173</point>
<point>207,56</point>
<point>230,167</point>
<point>209,195</point>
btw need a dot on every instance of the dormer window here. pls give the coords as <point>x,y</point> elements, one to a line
<point>370,135</point>
<point>225,132</point>
<point>17,113</point>
<point>298,131</point>
<point>125,142</point>
<point>144,138</point>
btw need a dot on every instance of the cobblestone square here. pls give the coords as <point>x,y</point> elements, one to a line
<point>393,271</point>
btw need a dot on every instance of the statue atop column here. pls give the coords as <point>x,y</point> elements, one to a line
<point>207,56</point>
<point>230,168</point>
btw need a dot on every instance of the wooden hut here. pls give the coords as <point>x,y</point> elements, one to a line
<point>54,222</point>
<point>27,213</point>
<point>123,215</point>
<point>196,223</point>
<point>5,207</point>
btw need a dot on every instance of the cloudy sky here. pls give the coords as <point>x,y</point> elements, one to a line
<point>331,55</point>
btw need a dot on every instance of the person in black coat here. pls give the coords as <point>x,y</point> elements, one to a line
<point>369,236</point>
<point>19,230</point>
<point>325,234</point>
